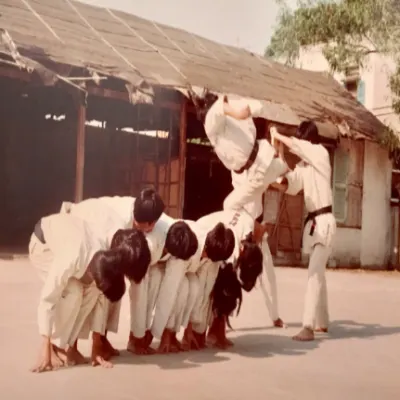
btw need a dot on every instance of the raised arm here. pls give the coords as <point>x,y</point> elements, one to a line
<point>312,154</point>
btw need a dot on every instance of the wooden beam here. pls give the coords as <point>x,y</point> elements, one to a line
<point>182,156</point>
<point>22,75</point>
<point>80,153</point>
<point>124,96</point>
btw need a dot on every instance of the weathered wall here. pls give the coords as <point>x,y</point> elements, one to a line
<point>347,248</point>
<point>376,217</point>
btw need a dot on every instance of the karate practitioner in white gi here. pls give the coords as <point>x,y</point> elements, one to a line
<point>102,213</point>
<point>312,175</point>
<point>179,287</point>
<point>80,276</point>
<point>252,260</point>
<point>231,131</point>
<point>169,238</point>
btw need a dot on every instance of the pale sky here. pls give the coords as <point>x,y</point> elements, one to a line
<point>243,23</point>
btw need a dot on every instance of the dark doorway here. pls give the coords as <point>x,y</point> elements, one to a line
<point>207,182</point>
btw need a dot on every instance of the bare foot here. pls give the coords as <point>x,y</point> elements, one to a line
<point>305,335</point>
<point>75,357</point>
<point>321,330</point>
<point>176,347</point>
<point>109,348</point>
<point>201,339</point>
<point>278,323</point>
<point>131,343</point>
<point>56,360</point>
<point>217,334</point>
<point>166,344</point>
<point>148,337</point>
<point>138,346</point>
<point>189,340</point>
<point>99,355</point>
<point>211,340</point>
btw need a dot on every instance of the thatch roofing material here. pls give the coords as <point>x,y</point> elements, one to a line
<point>137,50</point>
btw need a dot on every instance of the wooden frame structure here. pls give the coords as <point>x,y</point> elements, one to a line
<point>95,53</point>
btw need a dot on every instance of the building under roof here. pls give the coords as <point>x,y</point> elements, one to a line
<point>61,34</point>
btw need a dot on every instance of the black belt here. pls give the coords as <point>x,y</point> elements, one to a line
<point>38,231</point>
<point>311,217</point>
<point>250,161</point>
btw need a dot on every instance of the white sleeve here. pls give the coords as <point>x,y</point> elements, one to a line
<point>214,119</point>
<point>175,271</point>
<point>313,154</point>
<point>295,181</point>
<point>57,279</point>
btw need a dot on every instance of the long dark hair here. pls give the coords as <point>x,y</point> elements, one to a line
<point>308,130</point>
<point>227,293</point>
<point>249,262</point>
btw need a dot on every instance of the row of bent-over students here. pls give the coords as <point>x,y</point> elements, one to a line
<point>182,274</point>
<point>85,252</point>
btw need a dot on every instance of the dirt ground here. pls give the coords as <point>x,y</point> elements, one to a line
<point>358,359</point>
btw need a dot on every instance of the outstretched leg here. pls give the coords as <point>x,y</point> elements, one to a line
<point>316,273</point>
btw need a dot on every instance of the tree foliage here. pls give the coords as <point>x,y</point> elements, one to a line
<point>348,30</point>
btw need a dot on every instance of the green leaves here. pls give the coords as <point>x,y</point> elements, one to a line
<point>349,31</point>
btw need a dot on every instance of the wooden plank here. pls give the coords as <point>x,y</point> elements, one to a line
<point>80,153</point>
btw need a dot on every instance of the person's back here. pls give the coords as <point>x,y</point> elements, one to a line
<point>123,205</point>
<point>101,217</point>
<point>71,239</point>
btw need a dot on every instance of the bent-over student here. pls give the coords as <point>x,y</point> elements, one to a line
<point>214,245</point>
<point>106,213</point>
<point>169,238</point>
<point>80,279</point>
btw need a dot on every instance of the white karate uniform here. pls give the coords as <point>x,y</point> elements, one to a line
<point>179,289</point>
<point>255,208</point>
<point>106,215</point>
<point>67,305</point>
<point>143,295</point>
<point>313,176</point>
<point>233,141</point>
<point>123,205</point>
<point>101,215</point>
<point>242,224</point>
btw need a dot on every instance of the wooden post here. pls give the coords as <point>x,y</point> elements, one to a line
<point>182,157</point>
<point>80,152</point>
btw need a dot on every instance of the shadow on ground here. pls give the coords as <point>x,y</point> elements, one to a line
<point>252,345</point>
<point>260,345</point>
<point>343,329</point>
